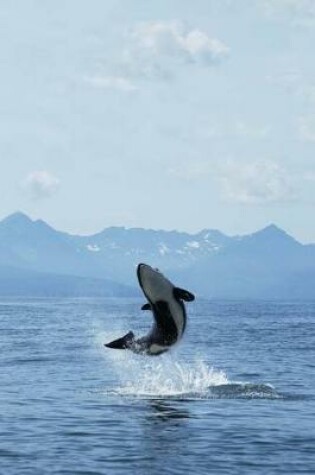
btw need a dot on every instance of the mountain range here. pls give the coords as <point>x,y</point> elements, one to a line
<point>37,260</point>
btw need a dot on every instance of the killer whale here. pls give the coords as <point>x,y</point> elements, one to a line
<point>165,301</point>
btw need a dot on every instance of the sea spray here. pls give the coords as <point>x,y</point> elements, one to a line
<point>162,376</point>
<point>168,376</point>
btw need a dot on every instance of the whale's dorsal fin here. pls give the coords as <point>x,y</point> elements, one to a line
<point>146,306</point>
<point>182,294</point>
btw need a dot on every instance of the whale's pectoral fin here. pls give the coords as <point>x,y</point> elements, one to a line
<point>183,294</point>
<point>122,343</point>
<point>146,306</point>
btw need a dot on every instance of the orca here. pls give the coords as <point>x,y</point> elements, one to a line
<point>165,301</point>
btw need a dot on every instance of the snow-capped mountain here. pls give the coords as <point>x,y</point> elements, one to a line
<point>265,264</point>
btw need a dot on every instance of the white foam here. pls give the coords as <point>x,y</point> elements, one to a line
<point>167,375</point>
<point>93,247</point>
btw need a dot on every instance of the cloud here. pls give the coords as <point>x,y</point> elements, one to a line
<point>309,92</point>
<point>111,82</point>
<point>170,40</point>
<point>191,171</point>
<point>299,12</point>
<point>306,129</point>
<point>158,50</point>
<point>258,182</point>
<point>251,131</point>
<point>41,184</point>
<point>309,176</point>
<point>293,82</point>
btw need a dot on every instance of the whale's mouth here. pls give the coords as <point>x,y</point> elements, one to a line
<point>145,273</point>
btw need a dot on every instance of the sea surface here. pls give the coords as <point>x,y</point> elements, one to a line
<point>236,396</point>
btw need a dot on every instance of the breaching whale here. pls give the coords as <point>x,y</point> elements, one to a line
<point>166,303</point>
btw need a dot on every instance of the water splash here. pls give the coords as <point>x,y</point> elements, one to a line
<point>166,376</point>
<point>171,378</point>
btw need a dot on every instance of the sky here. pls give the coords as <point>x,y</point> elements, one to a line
<point>165,115</point>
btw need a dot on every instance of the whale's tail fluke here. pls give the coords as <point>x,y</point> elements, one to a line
<point>122,343</point>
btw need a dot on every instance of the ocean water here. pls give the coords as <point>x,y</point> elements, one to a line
<point>237,396</point>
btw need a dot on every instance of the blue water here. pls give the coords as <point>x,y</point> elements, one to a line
<point>235,397</point>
